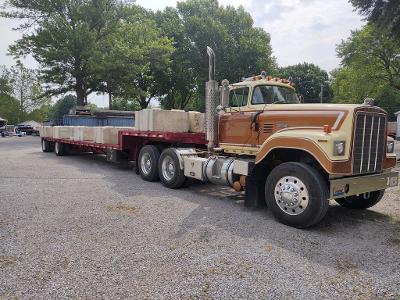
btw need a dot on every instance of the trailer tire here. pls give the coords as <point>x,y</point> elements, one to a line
<point>46,146</point>
<point>171,174</point>
<point>60,149</point>
<point>362,201</point>
<point>297,194</point>
<point>147,163</point>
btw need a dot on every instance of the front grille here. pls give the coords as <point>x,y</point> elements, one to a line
<point>369,142</point>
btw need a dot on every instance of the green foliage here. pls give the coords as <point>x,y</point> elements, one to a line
<point>119,103</point>
<point>384,14</point>
<point>389,99</point>
<point>370,68</point>
<point>308,79</point>
<point>241,49</point>
<point>9,108</point>
<point>135,57</point>
<point>62,107</point>
<point>63,37</point>
<point>373,52</point>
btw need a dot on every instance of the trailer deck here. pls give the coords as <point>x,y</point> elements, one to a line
<point>133,140</point>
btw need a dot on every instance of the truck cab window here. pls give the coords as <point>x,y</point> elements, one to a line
<point>269,94</point>
<point>238,97</point>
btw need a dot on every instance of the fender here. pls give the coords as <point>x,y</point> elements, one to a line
<point>308,141</point>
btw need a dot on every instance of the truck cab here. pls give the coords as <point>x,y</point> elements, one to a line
<point>339,151</point>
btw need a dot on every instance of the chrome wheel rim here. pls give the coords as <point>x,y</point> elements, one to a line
<point>43,145</point>
<point>168,168</point>
<point>291,195</point>
<point>145,163</point>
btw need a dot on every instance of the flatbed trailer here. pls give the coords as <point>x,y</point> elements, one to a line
<point>291,157</point>
<point>129,143</point>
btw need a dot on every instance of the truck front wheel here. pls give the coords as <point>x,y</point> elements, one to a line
<point>297,194</point>
<point>171,174</point>
<point>362,201</point>
<point>147,163</point>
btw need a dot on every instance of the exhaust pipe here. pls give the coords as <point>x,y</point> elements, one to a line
<point>212,97</point>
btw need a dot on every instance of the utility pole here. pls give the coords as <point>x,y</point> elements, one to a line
<point>322,92</point>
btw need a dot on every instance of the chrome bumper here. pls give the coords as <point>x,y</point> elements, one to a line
<point>362,184</point>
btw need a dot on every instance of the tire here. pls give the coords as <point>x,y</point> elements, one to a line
<point>362,201</point>
<point>60,149</point>
<point>169,170</point>
<point>147,163</point>
<point>46,146</point>
<point>297,194</point>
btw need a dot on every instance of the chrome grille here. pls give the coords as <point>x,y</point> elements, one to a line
<point>369,142</point>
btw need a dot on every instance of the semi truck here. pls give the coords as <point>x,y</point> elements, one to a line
<point>259,139</point>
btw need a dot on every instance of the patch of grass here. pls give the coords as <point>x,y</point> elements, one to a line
<point>121,207</point>
<point>346,265</point>
<point>394,241</point>
<point>7,261</point>
<point>268,248</point>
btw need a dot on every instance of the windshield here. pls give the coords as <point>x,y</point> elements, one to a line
<point>271,94</point>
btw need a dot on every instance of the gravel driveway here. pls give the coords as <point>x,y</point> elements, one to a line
<point>79,227</point>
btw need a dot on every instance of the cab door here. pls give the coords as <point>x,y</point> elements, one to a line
<point>235,125</point>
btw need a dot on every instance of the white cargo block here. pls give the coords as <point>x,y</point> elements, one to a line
<point>108,134</point>
<point>137,119</point>
<point>87,134</point>
<point>98,135</point>
<point>196,121</point>
<point>46,131</point>
<point>163,120</point>
<point>62,132</point>
<point>76,133</point>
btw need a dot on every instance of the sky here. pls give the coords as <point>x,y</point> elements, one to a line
<point>301,30</point>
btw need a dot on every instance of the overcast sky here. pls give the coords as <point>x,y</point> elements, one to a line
<point>301,30</point>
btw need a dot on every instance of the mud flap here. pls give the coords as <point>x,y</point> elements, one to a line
<point>255,192</point>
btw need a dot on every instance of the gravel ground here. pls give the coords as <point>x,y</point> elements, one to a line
<point>79,227</point>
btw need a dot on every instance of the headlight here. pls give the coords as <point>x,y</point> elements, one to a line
<point>390,147</point>
<point>339,147</point>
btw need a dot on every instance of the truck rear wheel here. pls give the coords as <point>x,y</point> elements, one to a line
<point>362,201</point>
<point>46,146</point>
<point>147,163</point>
<point>171,174</point>
<point>60,149</point>
<point>297,194</point>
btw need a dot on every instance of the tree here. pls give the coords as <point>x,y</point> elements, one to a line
<point>373,52</point>
<point>62,107</point>
<point>384,14</point>
<point>308,79</point>
<point>63,36</point>
<point>241,49</point>
<point>119,103</point>
<point>135,58</point>
<point>370,68</point>
<point>26,89</point>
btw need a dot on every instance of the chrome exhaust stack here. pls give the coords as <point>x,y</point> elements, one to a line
<point>212,100</point>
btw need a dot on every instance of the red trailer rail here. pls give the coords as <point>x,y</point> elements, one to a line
<point>131,141</point>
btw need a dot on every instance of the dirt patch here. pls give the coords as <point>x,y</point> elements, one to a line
<point>121,207</point>
<point>7,261</point>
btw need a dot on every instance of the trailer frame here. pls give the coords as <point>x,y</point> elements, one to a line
<point>131,141</point>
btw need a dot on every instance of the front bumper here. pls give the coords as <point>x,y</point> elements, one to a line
<point>350,186</point>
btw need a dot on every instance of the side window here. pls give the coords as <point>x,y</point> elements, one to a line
<point>238,97</point>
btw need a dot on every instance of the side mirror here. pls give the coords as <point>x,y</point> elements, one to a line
<point>225,93</point>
